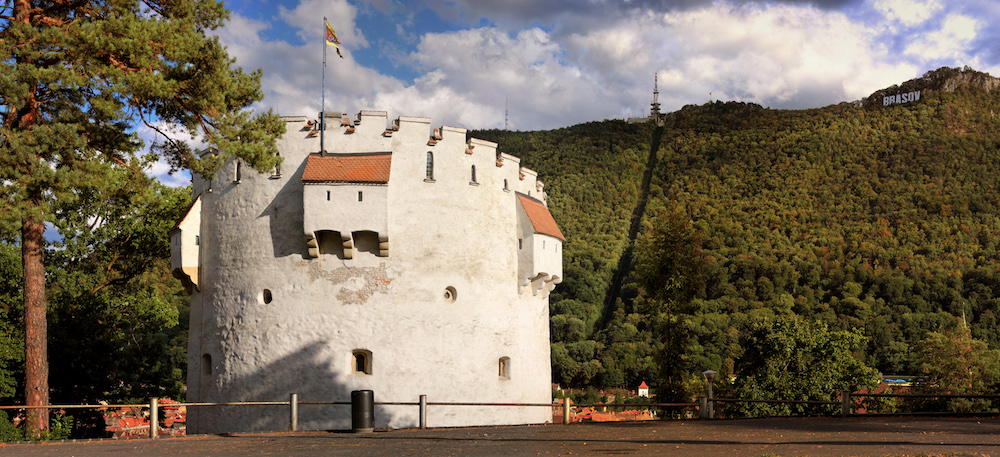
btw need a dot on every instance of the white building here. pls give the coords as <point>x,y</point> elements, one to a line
<point>404,260</point>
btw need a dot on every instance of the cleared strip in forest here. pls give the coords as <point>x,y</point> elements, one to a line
<point>625,261</point>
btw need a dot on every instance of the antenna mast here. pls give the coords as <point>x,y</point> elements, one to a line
<point>654,110</point>
<point>506,104</point>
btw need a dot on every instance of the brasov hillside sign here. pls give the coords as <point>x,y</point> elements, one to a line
<point>901,98</point>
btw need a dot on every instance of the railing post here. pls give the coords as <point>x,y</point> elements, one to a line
<point>293,412</point>
<point>702,407</point>
<point>423,412</point>
<point>567,403</point>
<point>154,417</point>
<point>845,403</point>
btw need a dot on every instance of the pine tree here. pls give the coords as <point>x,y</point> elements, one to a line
<point>75,78</point>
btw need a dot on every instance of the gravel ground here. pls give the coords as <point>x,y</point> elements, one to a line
<point>786,437</point>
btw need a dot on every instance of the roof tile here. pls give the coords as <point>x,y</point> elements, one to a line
<point>540,217</point>
<point>359,168</point>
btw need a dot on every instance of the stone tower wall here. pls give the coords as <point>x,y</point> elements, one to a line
<point>435,315</point>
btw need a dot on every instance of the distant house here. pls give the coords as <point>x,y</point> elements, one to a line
<point>643,390</point>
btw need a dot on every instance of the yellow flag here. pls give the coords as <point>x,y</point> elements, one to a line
<point>331,38</point>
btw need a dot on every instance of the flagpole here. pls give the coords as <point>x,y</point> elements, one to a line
<point>322,112</point>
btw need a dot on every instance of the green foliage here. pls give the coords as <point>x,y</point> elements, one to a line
<point>115,309</point>
<point>11,315</point>
<point>952,362</point>
<point>8,432</point>
<point>858,216</point>
<point>74,80</point>
<point>789,358</point>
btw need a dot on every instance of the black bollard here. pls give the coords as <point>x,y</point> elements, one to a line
<point>362,411</point>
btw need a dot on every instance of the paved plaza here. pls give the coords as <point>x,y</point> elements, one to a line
<point>858,436</point>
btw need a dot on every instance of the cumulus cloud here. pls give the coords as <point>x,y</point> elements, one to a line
<point>906,13</point>
<point>564,62</point>
<point>949,42</point>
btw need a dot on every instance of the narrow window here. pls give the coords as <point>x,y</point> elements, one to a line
<point>543,244</point>
<point>359,195</point>
<point>519,244</point>
<point>504,367</point>
<point>505,185</point>
<point>206,364</point>
<point>474,173</point>
<point>362,361</point>
<point>327,195</point>
<point>430,167</point>
<point>197,240</point>
<point>239,172</point>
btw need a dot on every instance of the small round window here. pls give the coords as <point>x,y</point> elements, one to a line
<point>266,296</point>
<point>449,294</point>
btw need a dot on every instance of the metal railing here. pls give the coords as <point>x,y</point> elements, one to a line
<point>704,405</point>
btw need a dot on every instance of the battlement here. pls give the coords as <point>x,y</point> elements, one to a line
<point>371,132</point>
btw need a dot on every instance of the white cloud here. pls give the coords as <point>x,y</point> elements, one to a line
<point>950,42</point>
<point>587,65</point>
<point>906,13</point>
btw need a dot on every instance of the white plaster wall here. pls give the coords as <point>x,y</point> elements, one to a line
<point>446,233</point>
<point>184,241</point>
<point>343,212</point>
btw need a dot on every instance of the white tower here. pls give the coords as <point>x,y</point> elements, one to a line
<point>405,260</point>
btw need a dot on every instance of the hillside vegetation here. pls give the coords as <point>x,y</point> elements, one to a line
<point>883,219</point>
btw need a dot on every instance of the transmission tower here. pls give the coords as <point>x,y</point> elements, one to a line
<point>506,124</point>
<point>654,108</point>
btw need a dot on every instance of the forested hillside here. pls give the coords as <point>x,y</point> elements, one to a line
<point>862,216</point>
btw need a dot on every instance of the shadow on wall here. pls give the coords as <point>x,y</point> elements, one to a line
<point>308,372</point>
<point>285,217</point>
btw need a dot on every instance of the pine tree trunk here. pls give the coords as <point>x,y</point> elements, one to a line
<point>36,370</point>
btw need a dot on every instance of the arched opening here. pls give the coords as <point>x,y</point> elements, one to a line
<point>366,241</point>
<point>504,367</point>
<point>330,243</point>
<point>362,361</point>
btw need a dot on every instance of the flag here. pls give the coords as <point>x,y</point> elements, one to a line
<point>331,38</point>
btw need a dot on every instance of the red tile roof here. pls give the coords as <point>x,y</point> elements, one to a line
<point>540,217</point>
<point>360,168</point>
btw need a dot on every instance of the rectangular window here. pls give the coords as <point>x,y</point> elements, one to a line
<point>359,195</point>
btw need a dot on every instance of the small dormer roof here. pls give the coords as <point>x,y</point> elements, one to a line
<point>540,217</point>
<point>354,168</point>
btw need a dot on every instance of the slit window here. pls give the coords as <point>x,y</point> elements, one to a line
<point>362,361</point>
<point>359,196</point>
<point>504,367</point>
<point>505,187</point>
<point>206,364</point>
<point>239,172</point>
<point>327,195</point>
<point>474,173</point>
<point>430,167</point>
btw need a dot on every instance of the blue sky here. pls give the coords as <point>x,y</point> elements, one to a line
<point>562,62</point>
